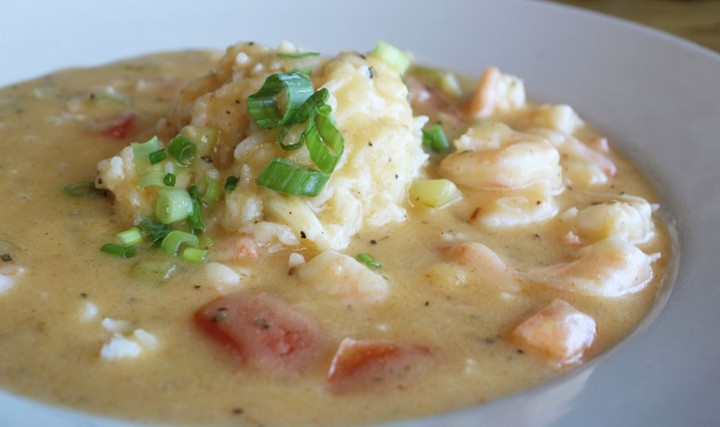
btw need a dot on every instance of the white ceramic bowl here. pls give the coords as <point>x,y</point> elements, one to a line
<point>656,97</point>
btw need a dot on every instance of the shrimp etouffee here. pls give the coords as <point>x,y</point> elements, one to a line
<point>280,237</point>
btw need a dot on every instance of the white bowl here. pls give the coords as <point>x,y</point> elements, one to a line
<point>656,97</point>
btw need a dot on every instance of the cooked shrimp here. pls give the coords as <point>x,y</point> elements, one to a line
<point>480,260</point>
<point>609,268</point>
<point>511,208</point>
<point>343,276</point>
<point>427,100</point>
<point>495,157</point>
<point>559,331</point>
<point>236,249</point>
<point>630,221</point>
<point>575,153</point>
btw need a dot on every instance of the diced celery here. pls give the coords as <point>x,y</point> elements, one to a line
<point>398,59</point>
<point>433,193</point>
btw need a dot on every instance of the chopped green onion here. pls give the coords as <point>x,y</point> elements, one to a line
<point>212,190</point>
<point>194,254</point>
<point>173,205</point>
<point>157,156</point>
<point>303,114</point>
<point>290,178</point>
<point>81,189</point>
<point>149,174</point>
<point>183,150</point>
<point>153,178</point>
<point>119,250</point>
<point>176,238</point>
<point>152,270</point>
<point>145,149</point>
<point>154,231</point>
<point>169,180</point>
<point>203,137</point>
<point>324,142</point>
<point>434,139</point>
<point>231,183</point>
<point>369,261</point>
<point>298,55</point>
<point>132,236</point>
<point>281,91</point>
<point>394,57</point>
<point>195,218</point>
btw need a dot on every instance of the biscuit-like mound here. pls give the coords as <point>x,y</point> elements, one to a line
<point>383,150</point>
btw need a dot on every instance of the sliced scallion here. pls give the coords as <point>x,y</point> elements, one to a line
<point>157,156</point>
<point>119,250</point>
<point>182,150</point>
<point>143,150</point>
<point>81,189</point>
<point>149,174</point>
<point>132,236</point>
<point>434,139</point>
<point>303,114</point>
<point>212,190</point>
<point>195,218</point>
<point>298,55</point>
<point>173,205</point>
<point>278,99</point>
<point>175,239</point>
<point>194,254</point>
<point>369,261</point>
<point>169,180</point>
<point>231,183</point>
<point>287,177</point>
<point>154,231</point>
<point>324,142</point>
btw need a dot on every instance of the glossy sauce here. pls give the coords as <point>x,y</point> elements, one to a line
<point>49,137</point>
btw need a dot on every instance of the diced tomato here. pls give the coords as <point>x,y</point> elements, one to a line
<point>266,331</point>
<point>119,128</point>
<point>367,365</point>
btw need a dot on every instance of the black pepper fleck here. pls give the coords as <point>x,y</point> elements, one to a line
<point>373,242</point>
<point>262,322</point>
<point>83,295</point>
<point>303,235</point>
<point>6,257</point>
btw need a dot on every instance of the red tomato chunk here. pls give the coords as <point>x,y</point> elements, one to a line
<point>367,365</point>
<point>266,331</point>
<point>120,128</point>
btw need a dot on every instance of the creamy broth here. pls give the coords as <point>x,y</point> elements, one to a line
<point>51,337</point>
